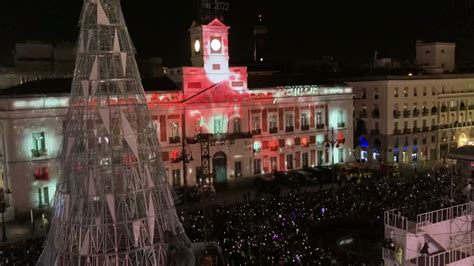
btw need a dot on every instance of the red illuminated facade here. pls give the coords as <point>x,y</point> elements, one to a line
<point>254,130</point>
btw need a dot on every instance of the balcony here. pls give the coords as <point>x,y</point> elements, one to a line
<point>397,114</point>
<point>471,107</point>
<point>257,131</point>
<point>434,110</point>
<point>454,108</point>
<point>406,113</point>
<point>462,107</point>
<point>363,114</point>
<point>174,140</point>
<point>416,113</point>
<point>39,153</point>
<point>341,124</point>
<point>416,130</point>
<point>444,109</point>
<point>425,112</point>
<point>304,127</point>
<point>376,113</point>
<point>406,131</point>
<point>273,130</point>
<point>290,129</point>
<point>425,129</point>
<point>258,150</point>
<point>320,126</point>
<point>397,132</point>
<point>238,135</point>
<point>375,131</point>
<point>433,128</point>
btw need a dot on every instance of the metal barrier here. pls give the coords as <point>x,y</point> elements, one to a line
<point>393,218</point>
<point>452,255</point>
<point>442,215</point>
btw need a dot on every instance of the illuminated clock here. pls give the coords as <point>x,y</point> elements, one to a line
<point>216,45</point>
<point>197,46</point>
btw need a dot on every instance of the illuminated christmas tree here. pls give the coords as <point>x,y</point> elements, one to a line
<point>113,205</point>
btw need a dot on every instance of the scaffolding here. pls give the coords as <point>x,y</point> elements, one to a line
<point>112,205</point>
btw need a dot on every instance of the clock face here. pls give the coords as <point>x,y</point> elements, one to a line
<point>197,46</point>
<point>216,45</point>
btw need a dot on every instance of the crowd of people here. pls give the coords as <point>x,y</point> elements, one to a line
<point>283,230</point>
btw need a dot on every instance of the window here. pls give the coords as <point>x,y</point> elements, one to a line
<point>43,196</point>
<point>305,160</point>
<point>257,146</point>
<point>218,125</point>
<point>319,118</point>
<point>238,168</point>
<point>23,79</point>
<point>340,119</point>
<point>39,144</point>
<point>237,128</point>
<point>273,123</point>
<point>415,92</point>
<point>405,124</point>
<point>376,93</point>
<point>424,91</point>
<point>396,92</point>
<point>405,92</point>
<point>257,166</point>
<point>395,144</point>
<point>320,158</point>
<point>289,161</point>
<point>273,163</point>
<point>433,138</point>
<point>395,125</point>
<point>289,121</point>
<point>415,124</point>
<point>433,91</point>
<point>174,130</point>
<point>304,121</point>
<point>364,93</point>
<point>424,122</point>
<point>256,123</point>
<point>176,177</point>
<point>341,155</point>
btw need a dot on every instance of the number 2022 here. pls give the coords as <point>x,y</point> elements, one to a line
<point>221,6</point>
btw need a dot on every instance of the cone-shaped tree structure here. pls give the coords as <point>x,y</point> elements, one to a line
<point>112,205</point>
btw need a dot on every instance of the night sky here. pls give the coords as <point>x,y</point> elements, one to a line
<point>344,29</point>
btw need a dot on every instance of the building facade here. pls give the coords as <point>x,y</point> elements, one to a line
<point>253,129</point>
<point>410,119</point>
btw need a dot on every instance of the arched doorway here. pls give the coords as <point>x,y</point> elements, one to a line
<point>219,166</point>
<point>462,140</point>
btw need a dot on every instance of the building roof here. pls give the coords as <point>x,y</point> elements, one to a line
<point>463,153</point>
<point>406,77</point>
<point>269,81</point>
<point>63,86</point>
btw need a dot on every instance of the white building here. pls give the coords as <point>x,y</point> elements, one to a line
<point>436,56</point>
<point>257,124</point>
<point>409,119</point>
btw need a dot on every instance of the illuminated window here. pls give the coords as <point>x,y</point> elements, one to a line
<point>43,196</point>
<point>396,92</point>
<point>256,123</point>
<point>176,177</point>
<point>238,168</point>
<point>218,125</point>
<point>289,122</point>
<point>340,119</point>
<point>39,144</point>
<point>257,166</point>
<point>289,161</point>
<point>257,147</point>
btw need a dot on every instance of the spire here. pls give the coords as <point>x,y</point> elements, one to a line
<point>112,205</point>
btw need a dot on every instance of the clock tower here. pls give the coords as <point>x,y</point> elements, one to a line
<point>210,46</point>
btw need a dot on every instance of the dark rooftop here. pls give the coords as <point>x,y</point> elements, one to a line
<point>63,86</point>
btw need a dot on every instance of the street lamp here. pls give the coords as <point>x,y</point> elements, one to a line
<point>3,209</point>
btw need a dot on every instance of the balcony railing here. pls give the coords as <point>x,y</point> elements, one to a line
<point>174,140</point>
<point>454,108</point>
<point>425,112</point>
<point>462,107</point>
<point>425,129</point>
<point>434,110</point>
<point>341,124</point>
<point>406,131</point>
<point>444,109</point>
<point>320,126</point>
<point>433,128</point>
<point>397,132</point>
<point>304,127</point>
<point>416,130</point>
<point>363,114</point>
<point>406,113</point>
<point>257,131</point>
<point>416,113</point>
<point>39,153</point>
<point>471,107</point>
<point>290,129</point>
<point>397,114</point>
<point>273,130</point>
